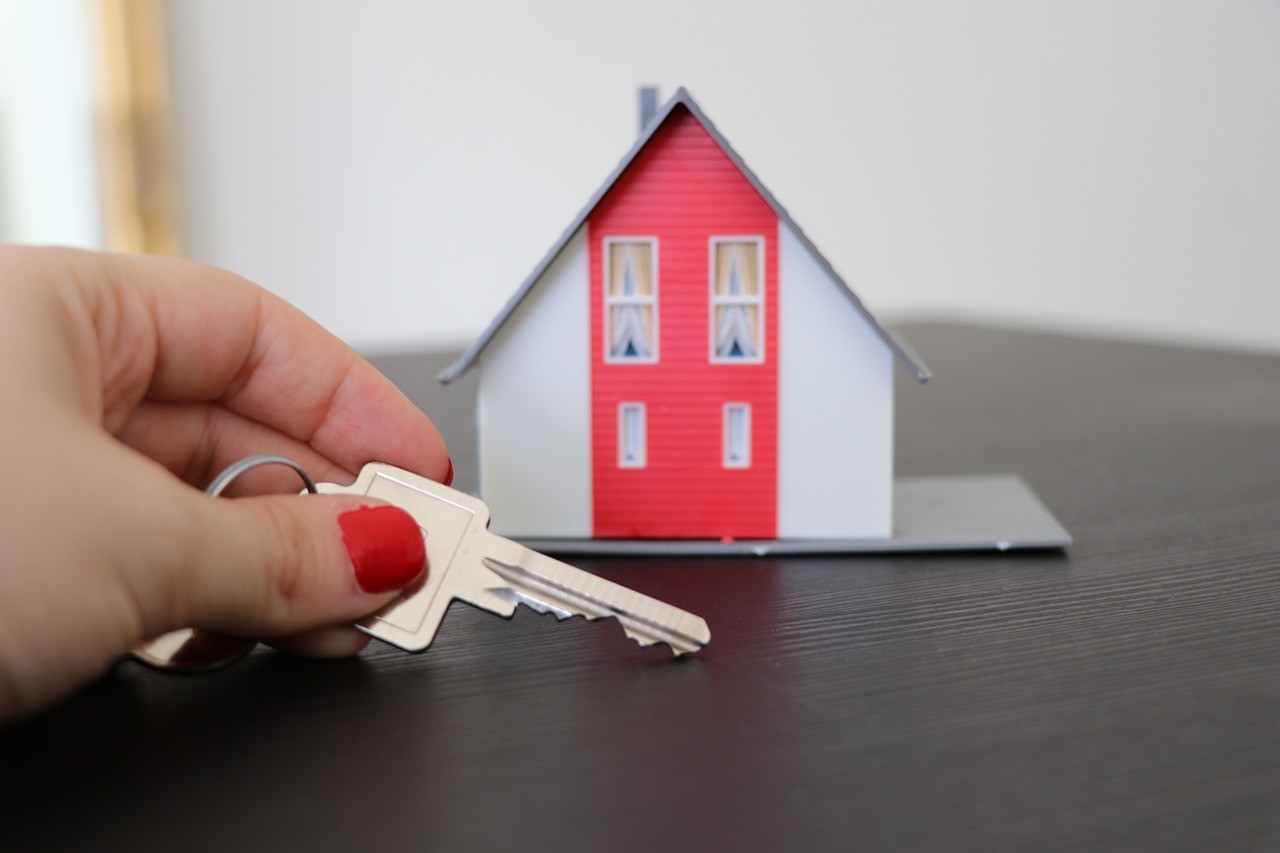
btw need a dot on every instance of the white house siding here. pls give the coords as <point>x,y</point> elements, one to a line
<point>835,407</point>
<point>534,413</point>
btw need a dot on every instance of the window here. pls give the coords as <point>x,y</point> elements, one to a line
<point>737,435</point>
<point>632,450</point>
<point>631,299</point>
<point>737,299</point>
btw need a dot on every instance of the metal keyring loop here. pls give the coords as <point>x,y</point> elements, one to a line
<point>193,650</point>
<point>224,479</point>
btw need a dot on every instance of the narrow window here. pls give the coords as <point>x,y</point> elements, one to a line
<point>631,299</point>
<point>632,449</point>
<point>737,435</point>
<point>737,299</point>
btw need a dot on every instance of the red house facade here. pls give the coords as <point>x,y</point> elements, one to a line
<point>684,320</point>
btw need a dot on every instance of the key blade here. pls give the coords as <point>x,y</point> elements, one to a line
<point>646,620</point>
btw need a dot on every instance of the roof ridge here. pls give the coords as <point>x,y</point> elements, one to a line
<point>906,357</point>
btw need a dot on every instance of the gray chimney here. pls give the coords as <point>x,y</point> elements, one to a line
<point>648,105</point>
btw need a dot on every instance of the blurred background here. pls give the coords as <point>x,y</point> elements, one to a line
<point>396,169</point>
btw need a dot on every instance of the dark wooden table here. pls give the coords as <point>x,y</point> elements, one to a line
<point>1124,694</point>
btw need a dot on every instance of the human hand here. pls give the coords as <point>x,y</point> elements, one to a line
<point>126,381</point>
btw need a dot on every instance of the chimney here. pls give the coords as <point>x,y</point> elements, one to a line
<point>648,105</point>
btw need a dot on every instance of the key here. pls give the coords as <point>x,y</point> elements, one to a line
<point>467,562</point>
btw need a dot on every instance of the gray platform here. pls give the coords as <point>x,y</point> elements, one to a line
<point>986,513</point>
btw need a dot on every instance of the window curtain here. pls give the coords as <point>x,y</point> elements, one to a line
<point>737,295</point>
<point>631,293</point>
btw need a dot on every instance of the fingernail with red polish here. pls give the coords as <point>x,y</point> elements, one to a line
<point>386,547</point>
<point>448,478</point>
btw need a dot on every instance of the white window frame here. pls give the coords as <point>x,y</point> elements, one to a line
<point>611,300</point>
<point>727,443</point>
<point>717,300</point>
<point>642,439</point>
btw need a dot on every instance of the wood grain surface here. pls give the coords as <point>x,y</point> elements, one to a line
<point>1124,694</point>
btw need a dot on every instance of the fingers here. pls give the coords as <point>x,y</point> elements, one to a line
<point>198,441</point>
<point>335,641</point>
<point>284,565</point>
<point>169,330</point>
<point>221,338</point>
<point>104,550</point>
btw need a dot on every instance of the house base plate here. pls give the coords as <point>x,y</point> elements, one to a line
<point>984,513</point>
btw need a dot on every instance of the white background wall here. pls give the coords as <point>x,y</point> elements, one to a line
<point>48,164</point>
<point>397,168</point>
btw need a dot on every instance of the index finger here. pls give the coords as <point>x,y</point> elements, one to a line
<point>216,337</point>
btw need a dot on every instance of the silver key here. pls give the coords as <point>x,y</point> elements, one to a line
<point>465,561</point>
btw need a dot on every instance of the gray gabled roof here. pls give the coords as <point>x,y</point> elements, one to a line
<point>901,351</point>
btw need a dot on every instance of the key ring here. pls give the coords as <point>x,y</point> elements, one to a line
<point>193,650</point>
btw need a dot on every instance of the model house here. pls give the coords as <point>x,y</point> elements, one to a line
<point>685,364</point>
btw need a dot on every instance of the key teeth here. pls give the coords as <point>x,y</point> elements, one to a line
<point>686,633</point>
<point>642,638</point>
<point>541,607</point>
<point>644,641</point>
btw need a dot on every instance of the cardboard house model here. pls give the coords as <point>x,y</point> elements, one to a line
<point>685,364</point>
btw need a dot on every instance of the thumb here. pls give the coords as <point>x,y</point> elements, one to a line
<point>269,566</point>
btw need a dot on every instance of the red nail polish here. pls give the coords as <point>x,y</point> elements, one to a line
<point>448,478</point>
<point>386,547</point>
